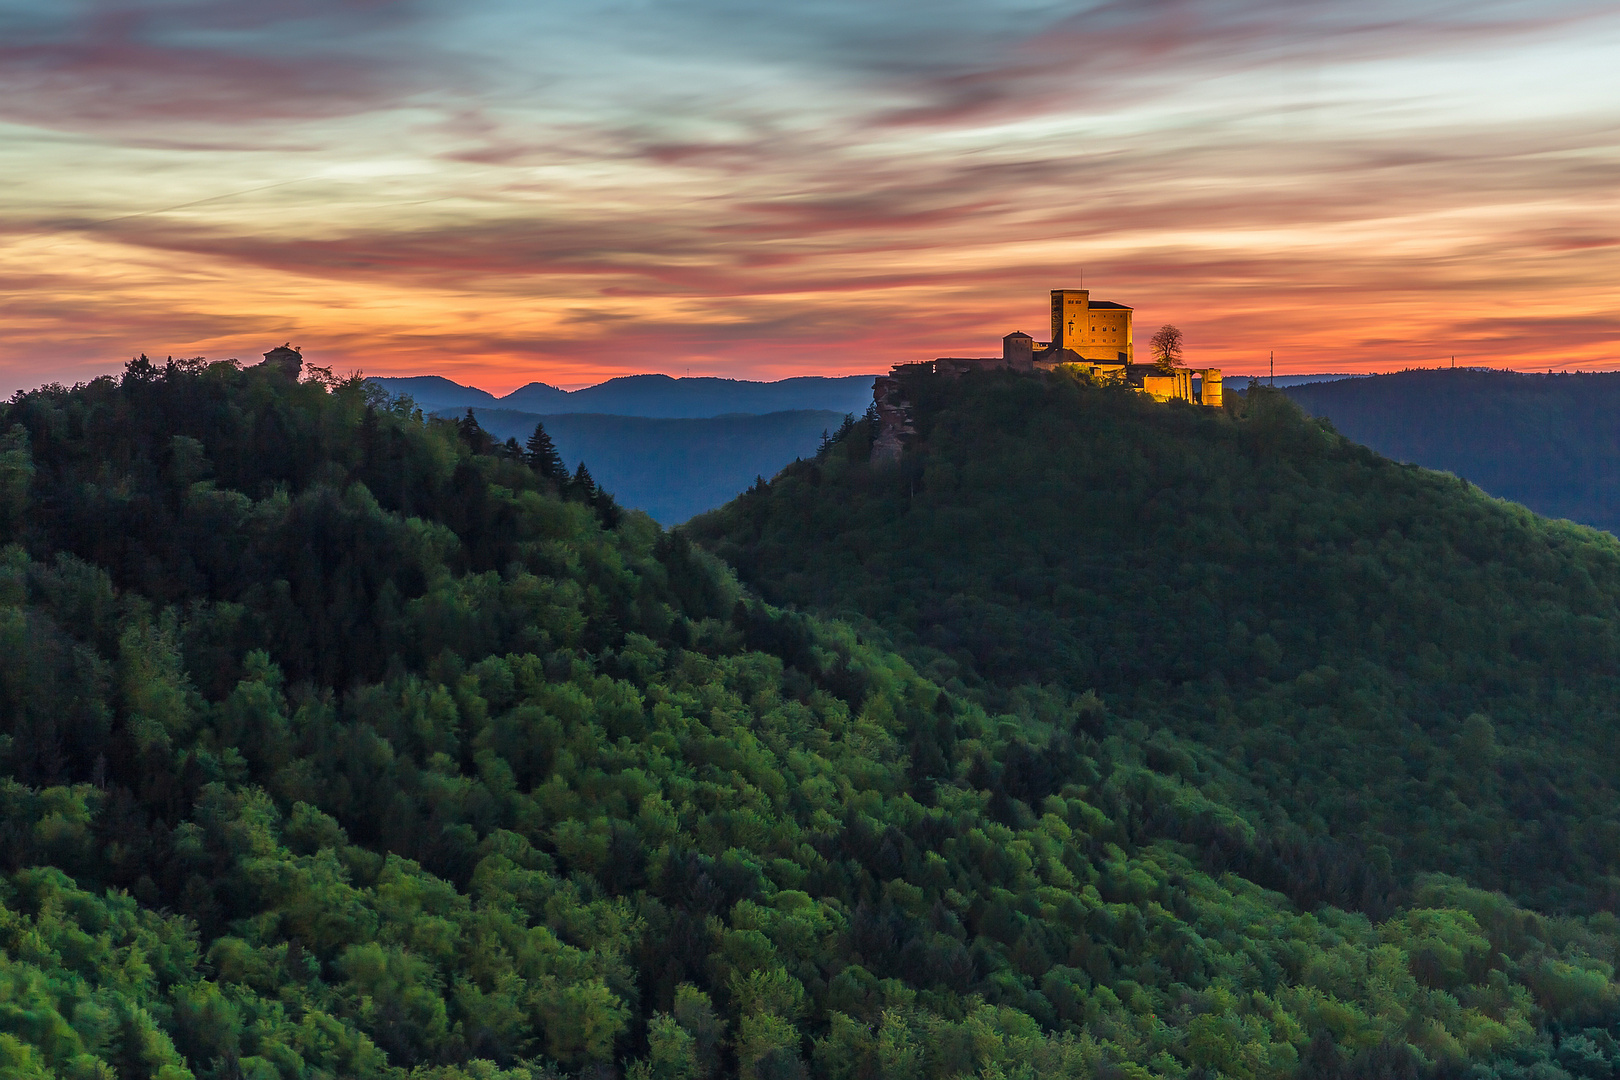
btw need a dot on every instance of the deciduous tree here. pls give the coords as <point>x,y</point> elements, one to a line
<point>1166,344</point>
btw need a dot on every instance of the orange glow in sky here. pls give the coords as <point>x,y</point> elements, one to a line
<point>505,192</point>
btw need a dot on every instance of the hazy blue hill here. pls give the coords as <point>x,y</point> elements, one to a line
<point>650,395</point>
<point>435,391</point>
<point>1551,442</point>
<point>660,395</point>
<point>673,468</point>
<point>1240,382</point>
<point>537,397</point>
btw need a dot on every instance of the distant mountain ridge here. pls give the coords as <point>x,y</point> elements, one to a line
<point>672,468</point>
<point>658,396</point>
<point>1240,383</point>
<point>1551,442</point>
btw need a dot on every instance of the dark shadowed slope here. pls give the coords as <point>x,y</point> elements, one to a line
<point>1388,655</point>
<point>1551,442</point>
<point>673,469</point>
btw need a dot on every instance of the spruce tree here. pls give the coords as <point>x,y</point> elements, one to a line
<point>473,434</point>
<point>582,486</point>
<point>542,455</point>
<point>607,509</point>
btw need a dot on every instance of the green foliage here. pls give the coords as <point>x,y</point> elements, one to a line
<point>336,746</point>
<point>542,456</point>
<point>16,474</point>
<point>1387,671</point>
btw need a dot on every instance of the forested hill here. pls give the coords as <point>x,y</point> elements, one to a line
<point>1551,442</point>
<point>1382,653</point>
<point>340,742</point>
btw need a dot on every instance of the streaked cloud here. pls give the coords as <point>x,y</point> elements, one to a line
<point>506,191</point>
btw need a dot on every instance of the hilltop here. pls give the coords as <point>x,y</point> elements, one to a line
<point>340,741</point>
<point>1551,442</point>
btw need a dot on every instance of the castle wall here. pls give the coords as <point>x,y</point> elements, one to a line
<point>1097,332</point>
<point>1110,334</point>
<point>1171,386</point>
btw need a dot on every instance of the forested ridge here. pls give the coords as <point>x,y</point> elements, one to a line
<point>340,741</point>
<point>1384,652</point>
<point>1551,442</point>
<point>1389,672</point>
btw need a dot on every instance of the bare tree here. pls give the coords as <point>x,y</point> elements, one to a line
<point>1166,346</point>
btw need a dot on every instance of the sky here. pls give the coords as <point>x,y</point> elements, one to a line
<point>508,191</point>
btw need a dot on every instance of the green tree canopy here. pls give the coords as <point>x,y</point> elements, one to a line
<point>331,746</point>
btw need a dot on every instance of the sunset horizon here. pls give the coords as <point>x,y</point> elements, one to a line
<point>500,196</point>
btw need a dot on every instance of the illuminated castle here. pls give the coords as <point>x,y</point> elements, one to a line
<point>1094,336</point>
<point>1087,330</point>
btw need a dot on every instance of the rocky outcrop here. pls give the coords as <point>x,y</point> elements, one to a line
<point>285,359</point>
<point>894,420</point>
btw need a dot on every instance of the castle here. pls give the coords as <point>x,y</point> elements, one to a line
<point>1094,336</point>
<point>1089,335</point>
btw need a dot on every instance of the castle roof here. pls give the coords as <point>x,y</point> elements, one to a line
<point>1109,304</point>
<point>1055,355</point>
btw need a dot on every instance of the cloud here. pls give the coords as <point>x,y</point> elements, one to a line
<point>1120,51</point>
<point>147,67</point>
<point>107,65</point>
<point>601,185</point>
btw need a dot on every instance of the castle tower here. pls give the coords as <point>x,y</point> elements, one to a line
<point>1018,351</point>
<point>1070,310</point>
<point>1097,330</point>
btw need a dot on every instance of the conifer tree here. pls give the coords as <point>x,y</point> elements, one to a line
<point>607,508</point>
<point>542,456</point>
<point>473,434</point>
<point>582,486</point>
